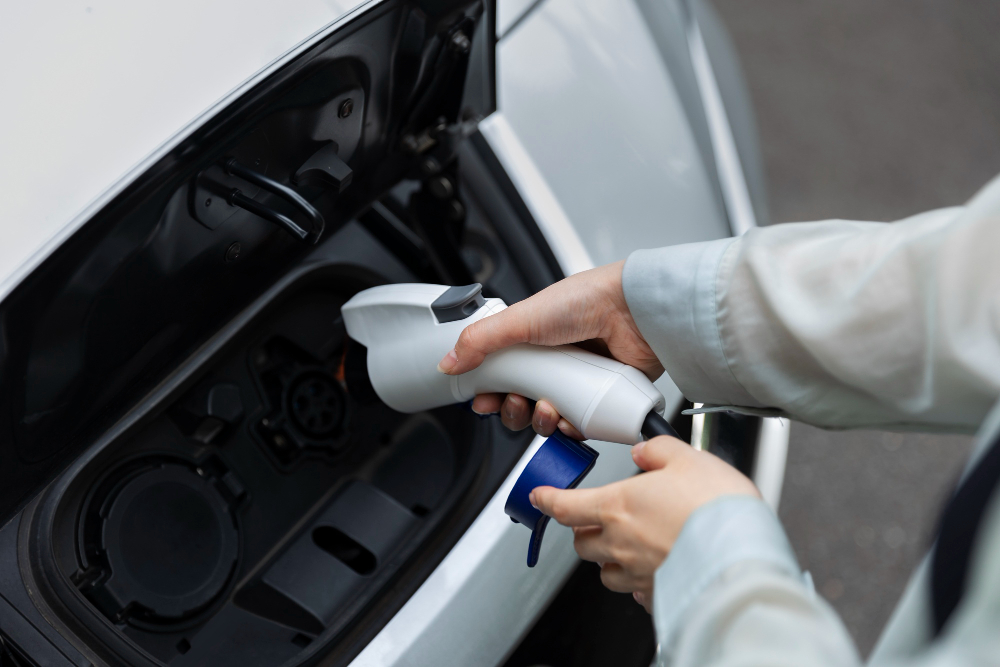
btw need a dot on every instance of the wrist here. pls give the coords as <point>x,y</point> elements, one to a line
<point>613,291</point>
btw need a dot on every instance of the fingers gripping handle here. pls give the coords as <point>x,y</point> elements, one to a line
<point>603,398</point>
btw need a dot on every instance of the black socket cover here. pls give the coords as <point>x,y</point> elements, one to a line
<point>171,544</point>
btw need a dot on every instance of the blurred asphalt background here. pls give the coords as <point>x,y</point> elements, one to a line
<point>873,110</point>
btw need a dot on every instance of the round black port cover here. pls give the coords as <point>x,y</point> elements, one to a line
<point>170,541</point>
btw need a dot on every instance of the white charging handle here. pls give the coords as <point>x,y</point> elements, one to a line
<point>408,328</point>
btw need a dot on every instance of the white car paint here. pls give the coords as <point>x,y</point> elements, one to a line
<point>588,95</point>
<point>559,233</point>
<point>509,11</point>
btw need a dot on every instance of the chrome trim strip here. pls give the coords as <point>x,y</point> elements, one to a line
<point>698,428</point>
<point>769,463</point>
<point>732,181</point>
<point>768,471</point>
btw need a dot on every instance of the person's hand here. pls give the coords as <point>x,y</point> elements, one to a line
<point>630,526</point>
<point>588,307</point>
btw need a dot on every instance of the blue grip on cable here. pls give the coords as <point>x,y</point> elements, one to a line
<point>560,462</point>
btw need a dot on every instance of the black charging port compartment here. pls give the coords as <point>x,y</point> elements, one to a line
<point>208,477</point>
<point>269,503</point>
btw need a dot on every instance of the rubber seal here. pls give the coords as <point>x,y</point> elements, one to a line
<point>560,462</point>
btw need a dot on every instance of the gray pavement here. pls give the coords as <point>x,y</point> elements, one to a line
<point>872,110</point>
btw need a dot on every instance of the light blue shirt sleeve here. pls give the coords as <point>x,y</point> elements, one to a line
<point>840,324</point>
<point>671,294</point>
<point>717,536</point>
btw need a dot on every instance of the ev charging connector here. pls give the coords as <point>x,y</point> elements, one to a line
<point>408,328</point>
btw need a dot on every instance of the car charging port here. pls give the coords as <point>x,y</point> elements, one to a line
<point>315,403</point>
<point>308,406</point>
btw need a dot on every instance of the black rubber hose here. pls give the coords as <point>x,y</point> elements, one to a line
<point>654,424</point>
<point>236,198</point>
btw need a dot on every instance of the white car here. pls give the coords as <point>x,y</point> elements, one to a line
<point>193,467</point>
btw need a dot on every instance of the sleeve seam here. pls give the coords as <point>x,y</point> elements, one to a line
<point>715,308</point>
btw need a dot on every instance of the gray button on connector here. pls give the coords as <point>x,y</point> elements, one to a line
<point>457,303</point>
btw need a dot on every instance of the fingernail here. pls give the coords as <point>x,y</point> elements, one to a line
<point>509,408</point>
<point>637,448</point>
<point>448,363</point>
<point>531,499</point>
<point>542,419</point>
<point>481,414</point>
<point>637,596</point>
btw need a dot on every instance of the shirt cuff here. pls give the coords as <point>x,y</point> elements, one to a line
<point>671,293</point>
<point>723,533</point>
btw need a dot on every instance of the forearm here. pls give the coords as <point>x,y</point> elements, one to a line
<point>754,615</point>
<point>731,593</point>
<point>835,323</point>
<point>759,611</point>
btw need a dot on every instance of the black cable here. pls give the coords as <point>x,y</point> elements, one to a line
<point>290,195</point>
<point>654,424</point>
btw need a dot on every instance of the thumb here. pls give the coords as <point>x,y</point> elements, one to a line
<point>492,333</point>
<point>658,452</point>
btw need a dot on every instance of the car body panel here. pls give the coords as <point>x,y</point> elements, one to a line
<point>585,89</point>
<point>146,75</point>
<point>509,12</point>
